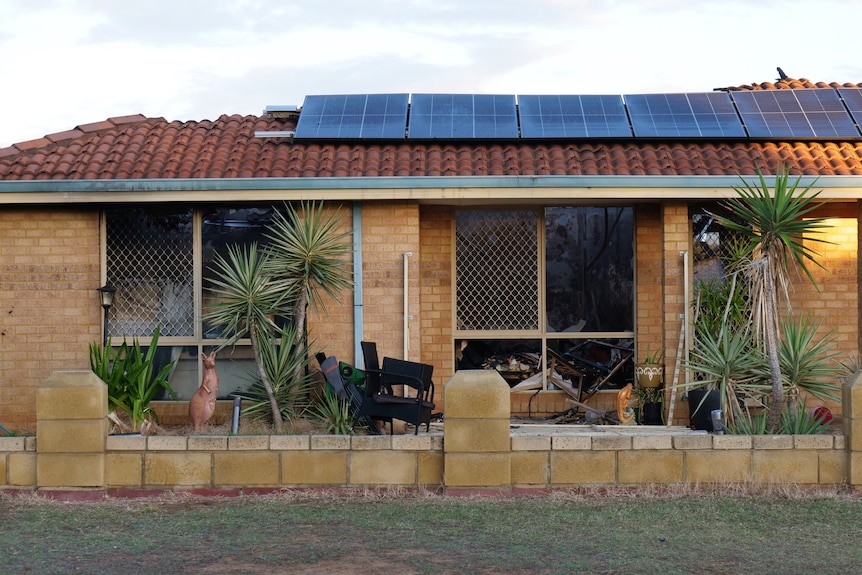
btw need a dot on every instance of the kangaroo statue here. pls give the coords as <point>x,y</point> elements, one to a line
<point>203,402</point>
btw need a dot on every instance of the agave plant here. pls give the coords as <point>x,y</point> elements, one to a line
<point>774,224</point>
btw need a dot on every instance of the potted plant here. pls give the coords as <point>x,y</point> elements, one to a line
<point>650,402</point>
<point>650,372</point>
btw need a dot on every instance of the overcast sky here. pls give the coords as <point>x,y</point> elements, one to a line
<point>70,62</point>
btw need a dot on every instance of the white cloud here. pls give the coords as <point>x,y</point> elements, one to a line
<point>70,62</point>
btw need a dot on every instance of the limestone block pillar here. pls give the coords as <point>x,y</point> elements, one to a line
<point>71,430</point>
<point>476,440</point>
<point>852,414</point>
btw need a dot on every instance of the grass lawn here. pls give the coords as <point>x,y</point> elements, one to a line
<point>670,531</point>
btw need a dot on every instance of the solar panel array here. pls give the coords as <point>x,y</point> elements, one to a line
<point>573,117</point>
<point>358,116</point>
<point>456,116</point>
<point>818,114</point>
<point>707,115</point>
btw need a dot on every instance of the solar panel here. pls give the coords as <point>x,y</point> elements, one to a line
<point>359,116</point>
<point>591,116</point>
<point>462,116</point>
<point>815,113</point>
<point>853,101</point>
<point>709,114</point>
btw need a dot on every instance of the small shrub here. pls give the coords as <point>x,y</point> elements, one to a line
<point>334,414</point>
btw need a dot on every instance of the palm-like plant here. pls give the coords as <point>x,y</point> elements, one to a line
<point>727,362</point>
<point>279,360</point>
<point>310,255</point>
<point>774,225</point>
<point>808,361</point>
<point>247,300</point>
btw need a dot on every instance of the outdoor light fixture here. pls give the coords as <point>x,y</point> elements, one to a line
<point>106,293</point>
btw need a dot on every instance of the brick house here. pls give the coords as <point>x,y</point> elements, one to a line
<point>501,242</point>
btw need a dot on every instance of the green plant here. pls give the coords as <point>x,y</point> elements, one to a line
<point>808,362</point>
<point>774,224</point>
<point>280,358</point>
<point>728,363</point>
<point>247,300</point>
<point>797,422</point>
<point>334,413</point>
<point>304,260</point>
<point>653,358</point>
<point>128,373</point>
<point>648,394</point>
<point>311,256</point>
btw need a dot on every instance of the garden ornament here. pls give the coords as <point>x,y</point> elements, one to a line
<point>203,402</point>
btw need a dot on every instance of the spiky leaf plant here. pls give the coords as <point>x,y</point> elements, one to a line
<point>776,221</point>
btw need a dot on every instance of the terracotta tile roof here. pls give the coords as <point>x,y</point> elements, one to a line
<point>135,147</point>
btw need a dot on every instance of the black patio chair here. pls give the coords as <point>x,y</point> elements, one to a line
<point>381,402</point>
<point>346,391</point>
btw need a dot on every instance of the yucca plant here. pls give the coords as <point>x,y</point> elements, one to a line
<point>727,362</point>
<point>800,422</point>
<point>280,359</point>
<point>334,414</point>
<point>247,300</point>
<point>808,361</point>
<point>309,254</point>
<point>774,223</point>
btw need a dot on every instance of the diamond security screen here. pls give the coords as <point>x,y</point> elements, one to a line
<point>497,270</point>
<point>150,261</point>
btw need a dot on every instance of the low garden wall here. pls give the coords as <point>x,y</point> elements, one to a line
<point>477,451</point>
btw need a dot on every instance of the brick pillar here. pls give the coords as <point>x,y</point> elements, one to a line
<point>852,415</point>
<point>71,430</point>
<point>477,448</point>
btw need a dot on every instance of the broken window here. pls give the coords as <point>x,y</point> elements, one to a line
<point>541,285</point>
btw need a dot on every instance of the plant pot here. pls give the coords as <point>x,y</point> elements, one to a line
<point>701,402</point>
<point>651,414</point>
<point>649,374</point>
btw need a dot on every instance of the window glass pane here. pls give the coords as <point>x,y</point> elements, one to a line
<point>223,226</point>
<point>150,261</point>
<point>589,273</point>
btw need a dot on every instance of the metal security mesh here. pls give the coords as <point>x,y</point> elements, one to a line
<point>497,270</point>
<point>150,260</point>
<point>714,246</point>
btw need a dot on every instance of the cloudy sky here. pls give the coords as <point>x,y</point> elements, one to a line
<point>70,62</point>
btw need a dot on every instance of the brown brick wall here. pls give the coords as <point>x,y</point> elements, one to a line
<point>834,300</point>
<point>49,307</point>
<point>331,330</point>
<point>436,299</point>
<point>389,229</point>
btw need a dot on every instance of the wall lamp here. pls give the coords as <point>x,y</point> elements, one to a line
<point>106,293</point>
